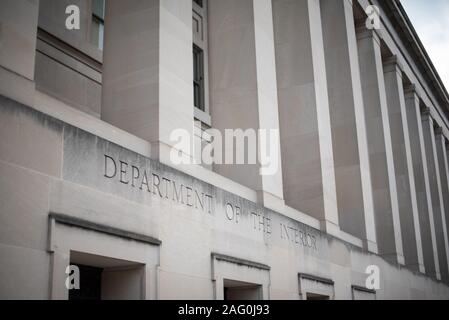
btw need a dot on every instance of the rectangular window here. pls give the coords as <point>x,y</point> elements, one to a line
<point>199,2</point>
<point>97,25</point>
<point>200,62</point>
<point>198,78</point>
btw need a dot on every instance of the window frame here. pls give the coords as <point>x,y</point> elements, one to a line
<point>355,290</point>
<point>100,20</point>
<point>309,285</point>
<point>201,41</point>
<point>198,77</point>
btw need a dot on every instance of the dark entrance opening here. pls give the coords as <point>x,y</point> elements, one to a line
<point>317,297</point>
<point>90,284</point>
<point>104,278</point>
<point>237,290</point>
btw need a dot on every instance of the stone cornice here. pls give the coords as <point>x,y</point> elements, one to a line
<point>238,261</point>
<point>315,278</point>
<point>400,18</point>
<point>101,228</point>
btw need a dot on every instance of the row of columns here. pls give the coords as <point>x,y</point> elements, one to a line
<point>359,151</point>
<point>325,154</point>
<point>435,192</point>
<point>390,164</point>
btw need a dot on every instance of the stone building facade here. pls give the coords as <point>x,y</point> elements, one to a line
<point>86,178</point>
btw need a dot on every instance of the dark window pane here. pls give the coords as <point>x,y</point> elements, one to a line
<point>97,26</point>
<point>198,78</point>
<point>199,2</point>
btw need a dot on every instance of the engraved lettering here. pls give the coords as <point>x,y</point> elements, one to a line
<point>156,185</point>
<point>199,200</point>
<point>209,202</point>
<point>167,186</point>
<point>177,196</point>
<point>123,172</point>
<point>237,214</point>
<point>189,196</point>
<point>296,236</point>
<point>111,161</point>
<point>229,211</point>
<point>145,182</point>
<point>135,175</point>
<point>268,225</point>
<point>254,215</point>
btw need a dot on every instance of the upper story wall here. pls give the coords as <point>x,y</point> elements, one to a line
<point>69,68</point>
<point>69,62</point>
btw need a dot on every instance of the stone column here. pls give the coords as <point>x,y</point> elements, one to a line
<point>148,73</point>
<point>351,156</point>
<point>436,194</point>
<point>243,88</point>
<point>383,174</point>
<point>440,141</point>
<point>422,185</point>
<point>446,139</point>
<point>405,179</point>
<point>441,144</point>
<point>306,136</point>
<point>18,32</point>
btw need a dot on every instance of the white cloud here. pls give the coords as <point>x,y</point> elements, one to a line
<point>431,21</point>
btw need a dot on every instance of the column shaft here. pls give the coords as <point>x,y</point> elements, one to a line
<point>271,192</point>
<point>436,194</point>
<point>383,175</point>
<point>18,34</point>
<point>351,157</point>
<point>405,181</point>
<point>243,88</point>
<point>308,175</point>
<point>422,186</point>
<point>440,142</point>
<point>147,72</point>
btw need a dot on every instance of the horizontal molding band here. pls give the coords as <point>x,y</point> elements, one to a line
<point>238,261</point>
<point>92,226</point>
<point>315,278</point>
<point>363,289</point>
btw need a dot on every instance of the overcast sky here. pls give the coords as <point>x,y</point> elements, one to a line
<point>431,21</point>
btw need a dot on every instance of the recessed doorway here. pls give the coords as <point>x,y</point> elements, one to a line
<point>102,278</point>
<point>237,290</point>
